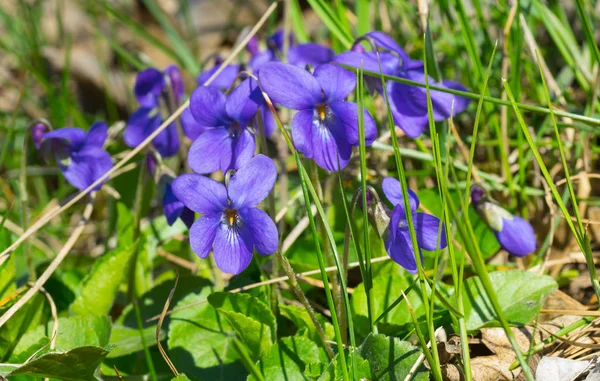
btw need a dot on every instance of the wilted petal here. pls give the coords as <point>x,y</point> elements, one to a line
<point>199,193</point>
<point>517,236</point>
<point>400,249</point>
<point>243,101</point>
<point>167,141</point>
<point>211,151</point>
<point>337,83</point>
<point>96,135</point>
<point>232,253</point>
<point>290,86</point>
<point>148,86</point>
<point>263,231</point>
<point>426,229</point>
<point>207,105</point>
<point>252,182</point>
<point>202,233</point>
<point>171,205</point>
<point>243,150</point>
<point>309,54</point>
<point>347,113</point>
<point>393,191</point>
<point>302,130</point>
<point>191,128</point>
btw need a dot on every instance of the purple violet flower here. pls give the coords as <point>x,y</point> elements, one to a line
<point>78,154</point>
<point>515,234</point>
<point>224,80</point>
<point>298,54</point>
<point>174,209</point>
<point>150,86</point>
<point>399,243</point>
<point>230,223</point>
<point>326,126</point>
<point>408,104</point>
<point>226,143</point>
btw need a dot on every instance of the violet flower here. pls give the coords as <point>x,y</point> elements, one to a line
<point>426,226</point>
<point>150,88</point>
<point>78,154</point>
<point>298,54</point>
<point>224,80</point>
<point>408,104</point>
<point>226,143</point>
<point>326,126</point>
<point>230,223</point>
<point>515,234</point>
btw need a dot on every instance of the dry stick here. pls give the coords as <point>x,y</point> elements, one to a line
<point>53,265</point>
<point>270,281</point>
<point>160,323</point>
<point>46,218</point>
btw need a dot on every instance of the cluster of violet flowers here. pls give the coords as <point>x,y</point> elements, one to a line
<point>222,124</point>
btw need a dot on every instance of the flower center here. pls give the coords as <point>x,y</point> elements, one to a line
<point>234,130</point>
<point>231,216</point>
<point>322,111</point>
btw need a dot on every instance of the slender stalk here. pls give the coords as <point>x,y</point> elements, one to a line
<point>247,361</point>
<point>147,355</point>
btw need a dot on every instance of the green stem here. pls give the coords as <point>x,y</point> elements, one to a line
<point>147,355</point>
<point>247,361</point>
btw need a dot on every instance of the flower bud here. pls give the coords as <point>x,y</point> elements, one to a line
<point>37,133</point>
<point>377,212</point>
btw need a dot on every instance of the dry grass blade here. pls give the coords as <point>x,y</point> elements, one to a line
<point>161,319</point>
<point>46,218</point>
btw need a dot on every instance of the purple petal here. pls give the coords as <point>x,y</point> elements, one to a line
<point>252,182</point>
<point>140,125</point>
<point>259,60</point>
<point>70,135</point>
<point>191,128</point>
<point>290,86</point>
<point>244,147</point>
<point>211,151</point>
<point>347,113</point>
<point>412,125</point>
<point>167,141</point>
<point>393,191</point>
<point>96,135</point>
<point>176,82</point>
<point>517,236</point>
<point>331,149</point>
<point>148,86</point>
<point>262,229</point>
<point>202,233</point>
<point>252,46</point>
<point>37,134</point>
<point>187,216</point>
<point>369,61</point>
<point>172,207</point>
<point>309,54</point>
<point>86,167</point>
<point>400,249</point>
<point>268,121</point>
<point>384,41</point>
<point>223,81</point>
<point>243,101</point>
<point>302,130</point>
<point>337,83</point>
<point>275,41</point>
<point>426,229</point>
<point>207,105</point>
<point>460,103</point>
<point>232,253</point>
<point>199,193</point>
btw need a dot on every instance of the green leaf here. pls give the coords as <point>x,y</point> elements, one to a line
<point>333,371</point>
<point>127,340</point>
<point>251,319</point>
<point>200,341</point>
<point>302,320</point>
<point>391,358</point>
<point>520,294</point>
<point>28,316</point>
<point>100,287</point>
<point>333,23</point>
<point>73,332</point>
<point>181,377</point>
<point>386,289</point>
<point>78,364</point>
<point>287,359</point>
<point>8,270</point>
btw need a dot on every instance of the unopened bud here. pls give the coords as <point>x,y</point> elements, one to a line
<point>37,133</point>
